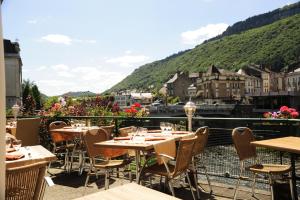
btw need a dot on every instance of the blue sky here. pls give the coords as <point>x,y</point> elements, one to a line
<point>72,45</point>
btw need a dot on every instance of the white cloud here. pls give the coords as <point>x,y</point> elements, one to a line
<point>32,21</point>
<point>60,67</point>
<point>41,68</point>
<point>199,35</point>
<point>57,39</point>
<point>65,74</point>
<point>85,41</point>
<point>128,60</point>
<point>64,39</point>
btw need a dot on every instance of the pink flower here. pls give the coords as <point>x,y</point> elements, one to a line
<point>295,114</point>
<point>284,109</point>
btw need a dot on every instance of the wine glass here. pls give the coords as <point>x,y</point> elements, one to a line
<point>8,142</point>
<point>162,126</point>
<point>17,144</point>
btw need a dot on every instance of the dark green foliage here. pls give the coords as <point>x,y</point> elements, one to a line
<point>276,45</point>
<point>261,20</point>
<point>36,96</point>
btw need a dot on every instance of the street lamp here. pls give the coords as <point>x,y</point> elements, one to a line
<point>190,107</point>
<point>15,111</point>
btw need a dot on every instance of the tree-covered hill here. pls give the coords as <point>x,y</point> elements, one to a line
<point>276,45</point>
<point>261,20</point>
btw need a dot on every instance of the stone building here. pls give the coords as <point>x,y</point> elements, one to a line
<point>220,86</point>
<point>13,73</point>
<point>178,84</point>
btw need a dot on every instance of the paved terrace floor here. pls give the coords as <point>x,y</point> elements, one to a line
<point>70,186</point>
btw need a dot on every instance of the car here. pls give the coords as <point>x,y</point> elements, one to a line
<point>180,103</point>
<point>156,104</point>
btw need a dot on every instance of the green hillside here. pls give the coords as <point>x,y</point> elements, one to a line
<point>276,45</point>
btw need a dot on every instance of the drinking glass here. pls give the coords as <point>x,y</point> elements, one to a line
<point>162,126</point>
<point>17,144</point>
<point>8,142</point>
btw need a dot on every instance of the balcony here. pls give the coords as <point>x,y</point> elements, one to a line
<point>220,157</point>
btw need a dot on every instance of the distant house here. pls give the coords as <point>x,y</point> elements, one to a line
<point>13,72</point>
<point>220,86</point>
<point>123,99</point>
<point>178,84</point>
<point>292,81</point>
<point>126,99</point>
<point>142,98</point>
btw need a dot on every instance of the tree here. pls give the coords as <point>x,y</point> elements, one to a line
<point>26,92</point>
<point>36,96</point>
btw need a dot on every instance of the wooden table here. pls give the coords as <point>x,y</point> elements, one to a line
<point>285,144</point>
<point>131,191</point>
<point>77,133</point>
<point>33,154</point>
<point>139,147</point>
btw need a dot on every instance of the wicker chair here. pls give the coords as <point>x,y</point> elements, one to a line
<point>25,182</point>
<point>170,171</point>
<point>202,137</point>
<point>242,136</point>
<point>94,153</point>
<point>109,131</point>
<point>123,132</point>
<point>62,143</point>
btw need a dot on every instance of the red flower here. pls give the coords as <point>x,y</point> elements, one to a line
<point>295,114</point>
<point>284,109</point>
<point>267,114</point>
<point>128,110</point>
<point>133,110</point>
<point>138,105</point>
<point>292,110</point>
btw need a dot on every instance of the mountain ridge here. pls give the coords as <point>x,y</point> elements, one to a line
<point>276,45</point>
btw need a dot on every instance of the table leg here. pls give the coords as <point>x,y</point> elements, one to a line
<point>294,175</point>
<point>137,163</point>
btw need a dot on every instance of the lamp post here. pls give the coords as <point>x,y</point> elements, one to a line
<point>15,111</point>
<point>190,107</point>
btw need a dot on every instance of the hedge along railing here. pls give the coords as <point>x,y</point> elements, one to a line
<point>219,156</point>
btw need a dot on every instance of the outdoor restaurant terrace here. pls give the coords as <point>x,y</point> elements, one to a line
<point>70,168</point>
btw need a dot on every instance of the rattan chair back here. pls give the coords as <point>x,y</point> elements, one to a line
<point>58,137</point>
<point>90,138</point>
<point>242,136</point>
<point>202,136</point>
<point>57,125</point>
<point>25,182</point>
<point>123,132</point>
<point>109,131</point>
<point>184,155</point>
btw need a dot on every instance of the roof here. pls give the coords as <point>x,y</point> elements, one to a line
<point>11,47</point>
<point>194,75</point>
<point>173,79</point>
<point>147,95</point>
<point>213,70</point>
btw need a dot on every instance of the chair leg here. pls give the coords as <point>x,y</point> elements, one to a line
<point>291,186</point>
<point>106,179</point>
<point>253,185</point>
<point>195,178</point>
<point>237,184</point>
<point>88,176</point>
<point>208,180</point>
<point>271,186</point>
<point>188,178</point>
<point>170,186</point>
